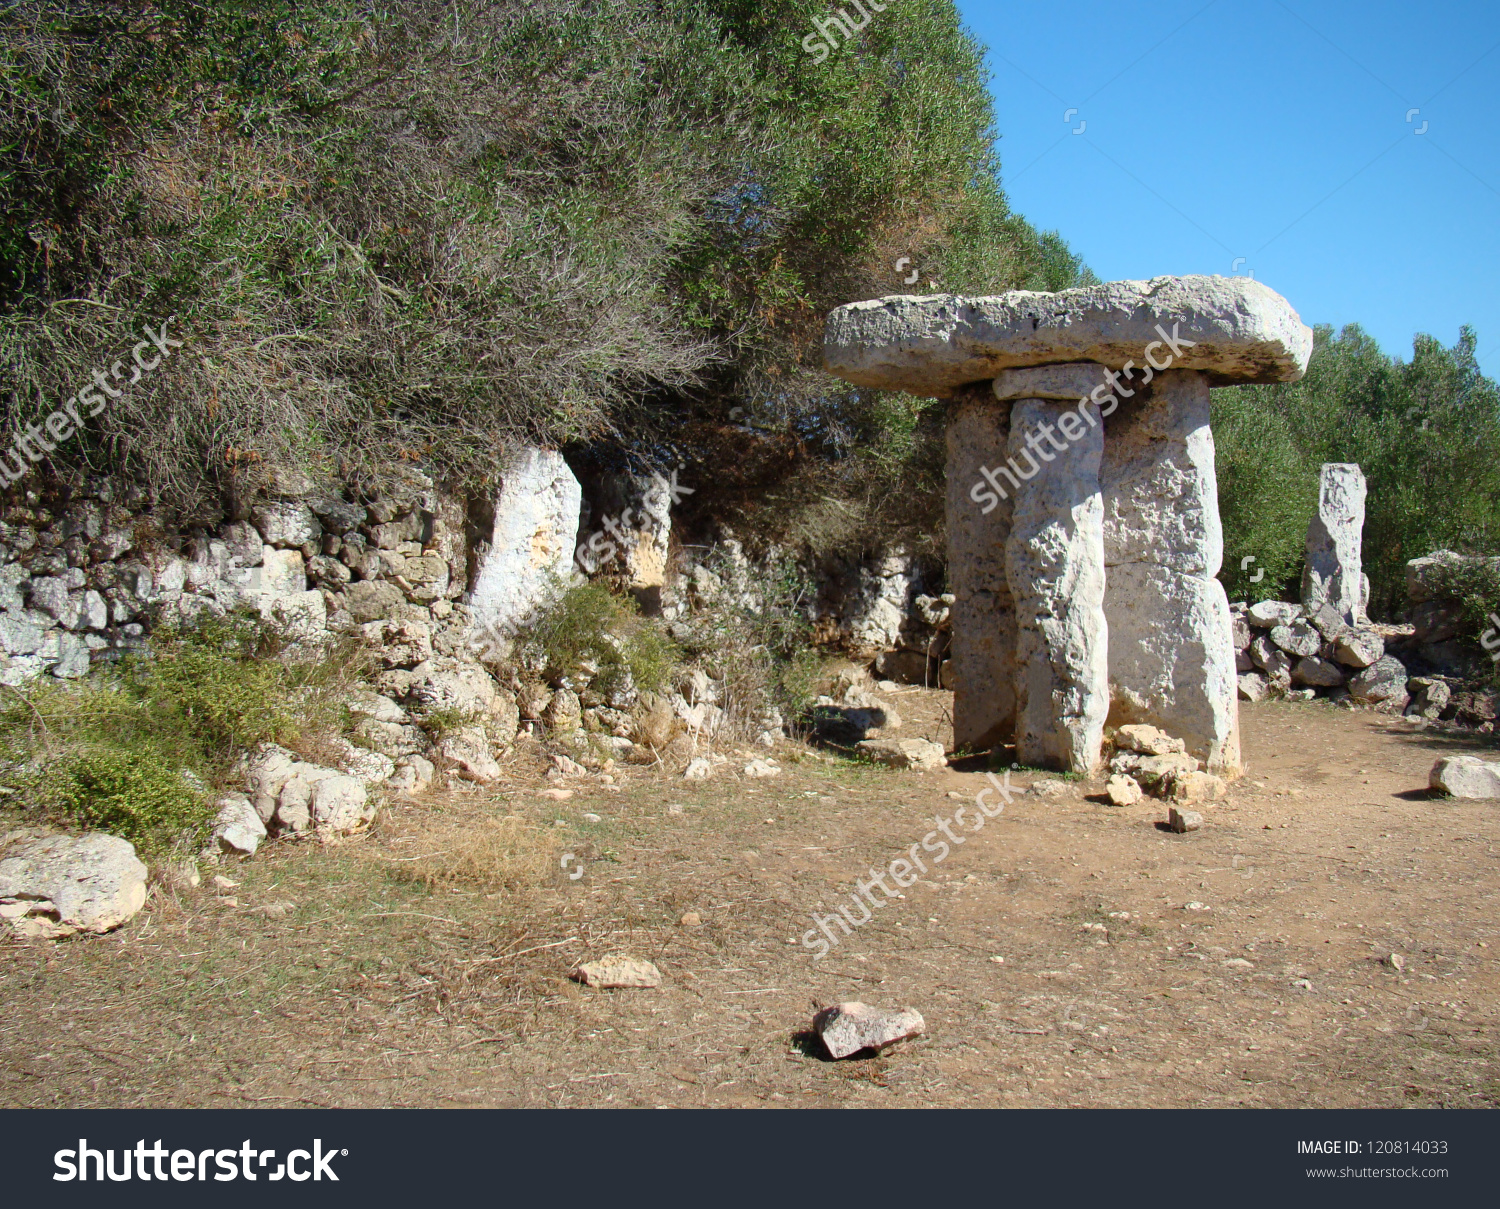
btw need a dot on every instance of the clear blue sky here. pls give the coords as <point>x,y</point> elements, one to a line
<point>1273,131</point>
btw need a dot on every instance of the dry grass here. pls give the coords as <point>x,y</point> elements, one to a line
<point>490,854</point>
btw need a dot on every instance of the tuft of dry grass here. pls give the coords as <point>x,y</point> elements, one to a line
<point>491,854</point>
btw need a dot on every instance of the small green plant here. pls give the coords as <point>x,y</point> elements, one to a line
<point>133,794</point>
<point>589,624</point>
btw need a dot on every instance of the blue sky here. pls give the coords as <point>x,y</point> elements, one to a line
<point>1274,131</point>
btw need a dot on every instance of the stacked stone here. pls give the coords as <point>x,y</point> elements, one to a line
<point>1083,569</point>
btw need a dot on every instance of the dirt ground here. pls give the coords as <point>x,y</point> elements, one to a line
<point>375,989</point>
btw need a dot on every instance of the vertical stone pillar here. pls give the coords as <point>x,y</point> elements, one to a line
<point>983,616</point>
<point>1333,575</point>
<point>1171,658</point>
<point>1054,563</point>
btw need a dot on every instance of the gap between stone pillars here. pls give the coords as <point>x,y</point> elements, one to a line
<point>1054,562</point>
<point>983,614</point>
<point>1171,659</point>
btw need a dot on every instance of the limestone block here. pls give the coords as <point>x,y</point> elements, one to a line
<point>1239,329</point>
<point>1054,564</point>
<point>88,883</point>
<point>983,615</point>
<point>532,541</point>
<point>1172,655</point>
<point>1332,573</point>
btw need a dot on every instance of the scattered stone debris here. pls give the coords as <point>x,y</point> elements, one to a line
<point>1188,787</point>
<point>1148,740</point>
<point>1122,790</point>
<point>238,828</point>
<point>849,1028</point>
<point>556,795</point>
<point>1396,962</point>
<point>1184,820</point>
<point>56,885</point>
<point>618,970</point>
<point>690,919</point>
<point>1196,906</point>
<point>1302,984</point>
<point>761,768</point>
<point>1048,788</point>
<point>1465,777</point>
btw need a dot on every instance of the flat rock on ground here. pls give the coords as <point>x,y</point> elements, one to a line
<point>64,884</point>
<point>618,970</point>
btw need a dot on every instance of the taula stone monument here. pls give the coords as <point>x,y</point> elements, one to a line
<point>1082,507</point>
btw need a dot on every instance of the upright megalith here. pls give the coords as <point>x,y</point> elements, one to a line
<point>1171,659</point>
<point>1332,574</point>
<point>1054,563</point>
<point>983,615</point>
<point>1105,501</point>
<point>533,529</point>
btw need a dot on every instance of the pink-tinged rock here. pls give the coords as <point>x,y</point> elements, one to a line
<point>850,1027</point>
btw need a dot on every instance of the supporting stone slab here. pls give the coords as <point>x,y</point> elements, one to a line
<point>1171,659</point>
<point>1055,567</point>
<point>983,616</point>
<point>1332,574</point>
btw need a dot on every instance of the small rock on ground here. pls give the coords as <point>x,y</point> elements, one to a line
<point>618,970</point>
<point>905,753</point>
<point>850,1027</point>
<point>1147,740</point>
<point>1184,820</point>
<point>1122,790</point>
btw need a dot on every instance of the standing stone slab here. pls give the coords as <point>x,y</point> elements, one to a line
<point>1172,645</point>
<point>1332,575</point>
<point>1054,563</point>
<point>1172,659</point>
<point>535,533</point>
<point>983,615</point>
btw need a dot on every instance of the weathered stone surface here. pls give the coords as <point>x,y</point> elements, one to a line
<point>372,600</point>
<point>1147,740</point>
<point>1122,790</point>
<point>904,753</point>
<point>340,805</point>
<point>238,827</point>
<point>1266,614</point>
<point>1171,648</point>
<point>90,883</point>
<point>1464,777</point>
<point>1358,648</point>
<point>618,970</point>
<point>1182,821</point>
<point>1432,697</point>
<point>640,507</point>
<point>1300,638</point>
<point>1242,332</point>
<point>412,776</point>
<point>983,615</point>
<point>1383,680</point>
<point>1190,787</point>
<point>1332,574</point>
<point>286,524</point>
<point>1239,632</point>
<point>849,1028</point>
<point>532,541</point>
<point>1054,563</point>
<point>1319,673</point>
<point>266,772</point>
<point>467,753</point>
<point>1272,660</point>
<point>1070,383</point>
<point>1252,687</point>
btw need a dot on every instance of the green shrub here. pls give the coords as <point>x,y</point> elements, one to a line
<point>135,794</point>
<point>589,623</point>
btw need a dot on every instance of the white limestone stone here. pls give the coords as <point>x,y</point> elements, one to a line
<point>1241,331</point>
<point>983,615</point>
<point>1054,563</point>
<point>88,883</point>
<point>1332,573</point>
<point>1172,658</point>
<point>532,542</point>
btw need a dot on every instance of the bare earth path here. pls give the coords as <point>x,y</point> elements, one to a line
<point>375,990</point>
